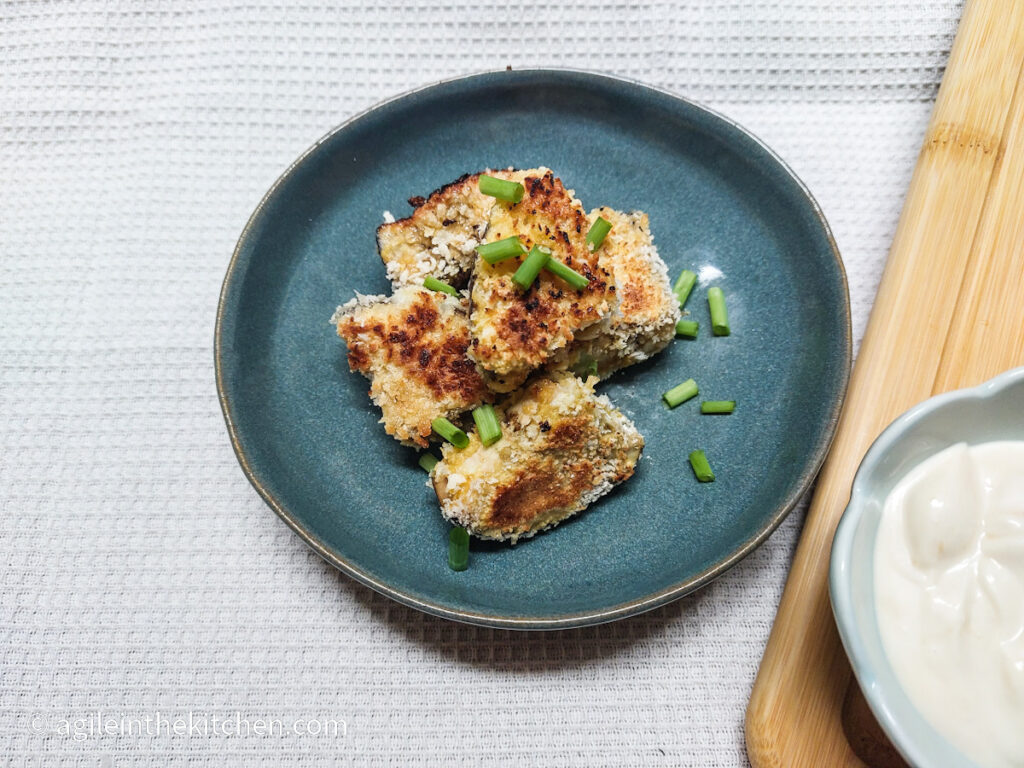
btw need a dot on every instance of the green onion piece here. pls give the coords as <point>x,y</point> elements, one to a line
<point>450,432</point>
<point>701,468</point>
<point>458,549</point>
<point>718,406</point>
<point>433,284</point>
<point>687,328</point>
<point>681,393</point>
<point>487,426</point>
<point>719,315</point>
<point>530,268</point>
<point>598,232</point>
<point>683,286</point>
<point>500,250</point>
<point>570,275</point>
<point>428,461</point>
<point>585,367</point>
<point>510,191</point>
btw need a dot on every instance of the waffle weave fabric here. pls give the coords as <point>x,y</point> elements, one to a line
<point>142,577</point>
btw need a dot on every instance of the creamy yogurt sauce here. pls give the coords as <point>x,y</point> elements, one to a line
<point>949,592</point>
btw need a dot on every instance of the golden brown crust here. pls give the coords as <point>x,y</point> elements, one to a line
<point>642,296</point>
<point>562,447</point>
<point>644,321</point>
<point>439,236</point>
<point>412,347</point>
<point>516,331</point>
<point>529,496</point>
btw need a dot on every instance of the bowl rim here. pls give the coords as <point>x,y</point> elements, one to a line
<point>880,698</point>
<point>239,262</point>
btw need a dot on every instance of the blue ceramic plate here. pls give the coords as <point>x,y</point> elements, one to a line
<point>720,203</point>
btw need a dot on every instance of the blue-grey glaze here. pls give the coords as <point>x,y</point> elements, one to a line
<point>307,434</point>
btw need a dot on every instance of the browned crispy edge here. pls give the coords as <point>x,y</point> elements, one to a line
<point>418,202</point>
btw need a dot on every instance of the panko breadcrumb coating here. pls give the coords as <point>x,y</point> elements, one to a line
<point>515,332</point>
<point>439,237</point>
<point>428,354</point>
<point>562,448</point>
<point>412,347</point>
<point>643,323</point>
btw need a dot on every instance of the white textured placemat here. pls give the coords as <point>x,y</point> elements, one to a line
<point>140,575</point>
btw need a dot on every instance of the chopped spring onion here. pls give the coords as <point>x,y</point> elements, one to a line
<point>598,232</point>
<point>701,468</point>
<point>719,315</point>
<point>585,367</point>
<point>428,461</point>
<point>687,328</point>
<point>433,284</point>
<point>531,267</point>
<point>458,549</point>
<point>718,406</point>
<point>570,275</point>
<point>683,286</point>
<point>681,393</point>
<point>500,250</point>
<point>450,432</point>
<point>487,426</point>
<point>510,191</point>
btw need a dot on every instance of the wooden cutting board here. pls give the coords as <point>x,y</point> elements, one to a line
<point>949,314</point>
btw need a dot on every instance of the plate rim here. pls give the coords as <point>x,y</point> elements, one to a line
<point>568,620</point>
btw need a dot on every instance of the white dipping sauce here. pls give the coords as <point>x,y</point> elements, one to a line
<point>949,592</point>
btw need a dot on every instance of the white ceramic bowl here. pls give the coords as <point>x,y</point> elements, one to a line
<point>992,411</point>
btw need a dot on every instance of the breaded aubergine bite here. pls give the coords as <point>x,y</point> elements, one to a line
<point>439,238</point>
<point>643,323</point>
<point>562,448</point>
<point>412,347</point>
<point>514,331</point>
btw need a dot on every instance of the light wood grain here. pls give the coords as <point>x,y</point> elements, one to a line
<point>949,312</point>
<point>987,336</point>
